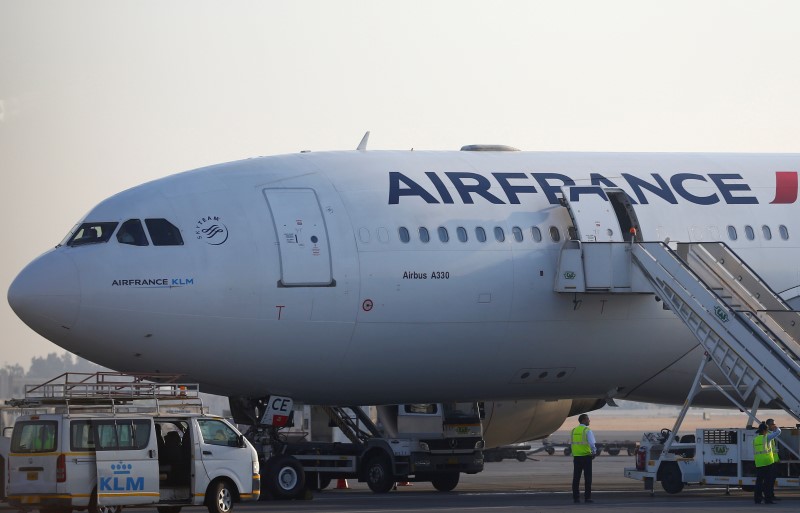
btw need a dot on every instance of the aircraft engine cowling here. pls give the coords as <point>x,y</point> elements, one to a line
<point>509,422</point>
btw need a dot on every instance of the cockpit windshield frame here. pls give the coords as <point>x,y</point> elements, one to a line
<point>92,233</point>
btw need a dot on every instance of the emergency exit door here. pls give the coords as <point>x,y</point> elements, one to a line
<point>305,257</point>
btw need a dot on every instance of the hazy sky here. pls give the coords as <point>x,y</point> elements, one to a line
<point>98,96</point>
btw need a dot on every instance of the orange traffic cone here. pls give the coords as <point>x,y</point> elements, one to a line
<point>341,484</point>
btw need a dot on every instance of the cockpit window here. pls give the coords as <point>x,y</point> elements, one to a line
<point>163,233</point>
<point>92,233</point>
<point>131,232</point>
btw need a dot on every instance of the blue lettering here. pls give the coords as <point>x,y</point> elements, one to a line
<point>575,192</point>
<point>117,486</point>
<point>134,483</point>
<point>481,188</point>
<point>661,190</point>
<point>598,179</point>
<point>188,281</point>
<point>677,184</point>
<point>105,484</point>
<point>412,188</point>
<point>440,187</point>
<point>511,190</point>
<point>551,191</point>
<point>727,188</point>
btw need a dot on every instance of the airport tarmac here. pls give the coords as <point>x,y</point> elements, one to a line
<point>539,484</point>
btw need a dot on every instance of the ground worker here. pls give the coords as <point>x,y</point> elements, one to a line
<point>583,450</point>
<point>762,452</point>
<point>775,459</point>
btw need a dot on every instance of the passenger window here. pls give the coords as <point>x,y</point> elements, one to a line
<point>480,234</point>
<point>92,233</point>
<point>131,232</point>
<point>749,233</point>
<point>443,235</point>
<point>499,234</point>
<point>732,235</point>
<point>216,432</point>
<point>424,236</point>
<point>554,234</point>
<point>517,231</point>
<point>404,236</point>
<point>767,232</point>
<point>163,233</point>
<point>784,232</point>
<point>80,436</point>
<point>462,233</point>
<point>123,434</point>
<point>34,436</point>
<point>537,233</point>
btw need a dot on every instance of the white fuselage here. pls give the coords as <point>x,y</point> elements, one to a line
<point>294,278</point>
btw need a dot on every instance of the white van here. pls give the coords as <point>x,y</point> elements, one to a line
<point>103,461</point>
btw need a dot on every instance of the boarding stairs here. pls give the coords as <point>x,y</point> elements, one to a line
<point>746,329</point>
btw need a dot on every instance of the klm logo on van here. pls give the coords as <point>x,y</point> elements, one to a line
<point>122,480</point>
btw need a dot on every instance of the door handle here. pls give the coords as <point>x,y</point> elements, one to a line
<point>207,453</point>
<point>151,453</point>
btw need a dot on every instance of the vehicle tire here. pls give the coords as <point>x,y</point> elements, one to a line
<point>521,456</point>
<point>96,508</point>
<point>567,451</point>
<point>286,478</point>
<point>168,509</point>
<point>446,482</point>
<point>316,481</point>
<point>550,451</point>
<point>219,498</point>
<point>379,474</point>
<point>613,452</point>
<point>671,480</point>
<point>631,451</point>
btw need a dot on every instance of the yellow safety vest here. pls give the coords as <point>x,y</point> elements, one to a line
<point>580,442</point>
<point>762,451</point>
<point>774,448</point>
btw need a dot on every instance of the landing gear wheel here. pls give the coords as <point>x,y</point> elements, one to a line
<point>98,508</point>
<point>446,482</point>
<point>220,498</point>
<point>671,480</point>
<point>286,478</point>
<point>379,474</point>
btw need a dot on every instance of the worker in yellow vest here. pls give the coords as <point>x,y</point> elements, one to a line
<point>775,459</point>
<point>762,454</point>
<point>583,450</point>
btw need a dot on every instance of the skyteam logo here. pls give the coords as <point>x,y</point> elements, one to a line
<point>211,230</point>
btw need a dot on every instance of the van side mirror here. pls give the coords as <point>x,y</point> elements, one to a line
<point>240,441</point>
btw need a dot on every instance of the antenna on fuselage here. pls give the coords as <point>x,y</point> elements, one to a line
<point>362,146</point>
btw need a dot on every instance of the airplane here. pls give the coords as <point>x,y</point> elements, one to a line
<point>380,277</point>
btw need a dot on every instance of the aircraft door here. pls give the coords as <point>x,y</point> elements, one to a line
<point>592,214</point>
<point>302,237</point>
<point>127,461</point>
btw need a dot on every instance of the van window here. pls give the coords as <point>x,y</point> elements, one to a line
<point>123,434</point>
<point>34,436</point>
<point>81,437</point>
<point>216,432</point>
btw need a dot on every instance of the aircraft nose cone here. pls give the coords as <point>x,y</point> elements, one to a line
<point>46,295</point>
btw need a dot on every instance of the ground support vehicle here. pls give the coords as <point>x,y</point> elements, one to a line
<point>110,440</point>
<point>518,452</point>
<point>430,442</point>
<point>712,457</point>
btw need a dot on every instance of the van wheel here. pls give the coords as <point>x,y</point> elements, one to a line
<point>96,508</point>
<point>379,474</point>
<point>286,478</point>
<point>446,482</point>
<point>220,500</point>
